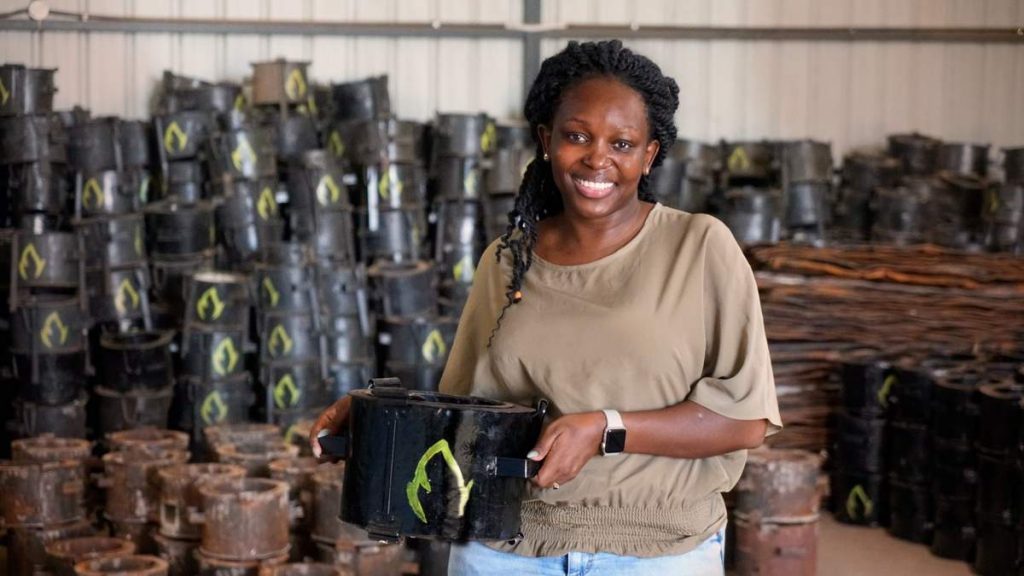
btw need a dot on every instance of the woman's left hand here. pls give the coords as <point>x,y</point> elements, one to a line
<point>565,446</point>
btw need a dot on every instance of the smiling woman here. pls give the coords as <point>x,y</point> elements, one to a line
<point>639,323</point>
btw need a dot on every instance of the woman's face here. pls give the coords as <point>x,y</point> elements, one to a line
<point>600,145</point>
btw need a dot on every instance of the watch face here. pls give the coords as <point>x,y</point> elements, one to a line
<point>614,441</point>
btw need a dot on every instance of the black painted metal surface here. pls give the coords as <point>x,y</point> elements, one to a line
<point>431,465</point>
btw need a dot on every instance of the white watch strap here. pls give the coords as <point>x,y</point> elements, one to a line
<point>613,419</point>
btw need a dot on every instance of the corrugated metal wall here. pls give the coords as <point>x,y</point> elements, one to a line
<point>849,93</point>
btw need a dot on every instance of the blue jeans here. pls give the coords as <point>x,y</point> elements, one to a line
<point>475,559</point>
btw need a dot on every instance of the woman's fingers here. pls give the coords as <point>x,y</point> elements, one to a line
<point>566,446</point>
<point>330,421</point>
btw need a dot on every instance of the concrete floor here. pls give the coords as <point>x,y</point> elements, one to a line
<point>858,551</point>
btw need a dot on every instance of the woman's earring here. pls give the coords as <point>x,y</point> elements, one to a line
<point>647,171</point>
<point>546,157</point>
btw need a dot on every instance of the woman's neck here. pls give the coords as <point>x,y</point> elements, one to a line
<point>567,240</point>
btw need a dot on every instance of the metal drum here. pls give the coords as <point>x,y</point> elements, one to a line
<point>26,90</point>
<point>32,138</point>
<point>182,135</point>
<point>918,154</point>
<point>419,464</point>
<point>362,100</point>
<point>280,82</point>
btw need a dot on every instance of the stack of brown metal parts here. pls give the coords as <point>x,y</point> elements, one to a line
<point>259,509</point>
<point>821,302</point>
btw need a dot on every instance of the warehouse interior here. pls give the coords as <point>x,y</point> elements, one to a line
<point>218,217</point>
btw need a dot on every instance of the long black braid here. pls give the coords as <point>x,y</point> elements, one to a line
<point>538,197</point>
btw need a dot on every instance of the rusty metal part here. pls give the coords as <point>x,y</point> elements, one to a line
<point>244,518</point>
<point>179,495</point>
<point>363,557</point>
<point>280,82</point>
<point>778,483</point>
<point>255,457</point>
<point>49,448</point>
<point>41,493</point>
<point>327,526</point>
<point>179,554</point>
<point>302,569</point>
<point>241,433</point>
<point>64,554</point>
<point>777,549</point>
<point>123,566</point>
<point>26,547</point>
<point>218,567</point>
<point>133,492</point>
<point>148,440</point>
<point>138,532</point>
<point>298,474</point>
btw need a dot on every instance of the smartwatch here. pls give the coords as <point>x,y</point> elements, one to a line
<point>614,440</point>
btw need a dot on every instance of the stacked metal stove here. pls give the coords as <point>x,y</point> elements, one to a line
<point>858,473</point>
<point>807,190</point>
<point>1004,206</point>
<point>934,454</point>
<point>111,161</point>
<point>180,217</point>
<point>750,202</point>
<point>514,151</point>
<point>43,500</point>
<point>214,382</point>
<point>460,146</point>
<point>687,176</point>
<point>45,314</point>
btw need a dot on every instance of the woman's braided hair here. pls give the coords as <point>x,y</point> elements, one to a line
<point>538,197</point>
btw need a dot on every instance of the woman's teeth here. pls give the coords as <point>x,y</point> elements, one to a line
<point>593,185</point>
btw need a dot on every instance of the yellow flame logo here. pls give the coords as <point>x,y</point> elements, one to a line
<point>433,347</point>
<point>243,154</point>
<point>175,139</point>
<point>420,479</point>
<point>738,160</point>
<point>992,202</point>
<point>213,410</point>
<point>294,435</point>
<point>272,294</point>
<point>386,187</point>
<point>463,270</point>
<point>5,94</point>
<point>858,495</point>
<point>210,299</point>
<point>93,192</point>
<point>126,295</point>
<point>335,144</point>
<point>29,255</point>
<point>883,394</point>
<point>266,206</point>
<point>239,102</point>
<point>295,86</point>
<point>138,241</point>
<point>327,190</point>
<point>469,183</point>
<point>144,190</point>
<point>489,138</point>
<point>53,322</point>
<point>286,394</point>
<point>280,342</point>
<point>225,357</point>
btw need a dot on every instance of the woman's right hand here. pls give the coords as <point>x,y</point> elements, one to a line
<point>331,421</point>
